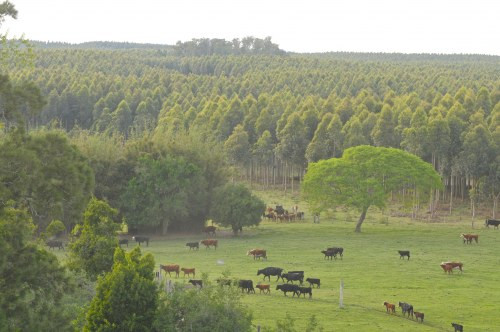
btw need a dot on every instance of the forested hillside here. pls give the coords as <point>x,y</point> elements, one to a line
<point>274,111</point>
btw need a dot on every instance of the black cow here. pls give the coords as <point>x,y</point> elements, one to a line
<point>305,290</point>
<point>337,251</point>
<point>123,241</point>
<point>492,222</point>
<point>140,239</point>
<point>246,284</point>
<point>271,271</point>
<point>457,327</point>
<point>403,253</point>
<point>193,245</point>
<point>406,308</point>
<point>285,288</point>
<point>55,244</point>
<point>291,277</point>
<point>196,282</point>
<point>314,281</point>
<point>328,254</point>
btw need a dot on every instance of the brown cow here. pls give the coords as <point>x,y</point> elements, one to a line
<point>170,268</point>
<point>449,266</point>
<point>210,230</point>
<point>189,271</point>
<point>210,242</point>
<point>469,237</point>
<point>390,307</point>
<point>419,315</point>
<point>257,253</point>
<point>264,288</point>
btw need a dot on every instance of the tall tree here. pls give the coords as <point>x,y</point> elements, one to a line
<point>163,191</point>
<point>32,282</point>
<point>364,177</point>
<point>94,241</point>
<point>127,297</point>
<point>235,206</point>
<point>237,147</point>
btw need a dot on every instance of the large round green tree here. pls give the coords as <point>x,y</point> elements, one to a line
<point>365,176</point>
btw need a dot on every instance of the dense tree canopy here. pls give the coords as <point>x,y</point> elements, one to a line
<point>235,206</point>
<point>208,88</point>
<point>32,282</point>
<point>93,241</point>
<point>365,176</point>
<point>127,297</point>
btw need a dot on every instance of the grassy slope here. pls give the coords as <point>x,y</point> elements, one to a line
<point>371,270</point>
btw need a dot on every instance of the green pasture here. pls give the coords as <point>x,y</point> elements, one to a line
<point>371,270</point>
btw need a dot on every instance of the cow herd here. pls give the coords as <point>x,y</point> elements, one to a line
<point>280,214</point>
<point>290,277</point>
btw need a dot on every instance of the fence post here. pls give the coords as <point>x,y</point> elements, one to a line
<point>341,294</point>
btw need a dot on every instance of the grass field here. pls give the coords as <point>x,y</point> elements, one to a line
<point>371,271</point>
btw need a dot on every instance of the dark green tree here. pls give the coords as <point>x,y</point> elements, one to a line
<point>94,241</point>
<point>236,207</point>
<point>126,297</point>
<point>32,282</point>
<point>163,191</point>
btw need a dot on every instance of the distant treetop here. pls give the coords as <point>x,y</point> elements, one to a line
<point>247,45</point>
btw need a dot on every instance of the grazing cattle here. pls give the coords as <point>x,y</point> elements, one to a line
<point>196,282</point>
<point>285,288</point>
<point>209,242</point>
<point>189,271</point>
<point>314,281</point>
<point>270,216</point>
<point>469,237</point>
<point>170,268</point>
<point>271,271</point>
<point>492,222</point>
<point>337,251</point>
<point>403,253</point>
<point>457,327</point>
<point>389,307</point>
<point>406,308</point>
<point>123,241</point>
<point>257,253</point>
<point>449,266</point>
<point>328,254</point>
<point>305,290</point>
<point>141,239</point>
<point>210,230</point>
<point>264,288</point>
<point>279,210</point>
<point>246,285</point>
<point>419,315</point>
<point>55,244</point>
<point>289,216</point>
<point>291,277</point>
<point>193,245</point>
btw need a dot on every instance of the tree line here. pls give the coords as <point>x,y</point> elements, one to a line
<point>274,114</point>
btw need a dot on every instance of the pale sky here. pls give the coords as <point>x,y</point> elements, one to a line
<point>408,26</point>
